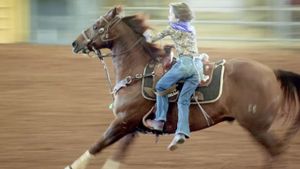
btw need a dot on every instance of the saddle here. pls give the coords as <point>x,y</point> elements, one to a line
<point>207,92</point>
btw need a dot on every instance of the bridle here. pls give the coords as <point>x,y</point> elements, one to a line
<point>103,30</point>
<point>104,33</point>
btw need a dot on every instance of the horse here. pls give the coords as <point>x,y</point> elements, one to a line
<point>253,101</point>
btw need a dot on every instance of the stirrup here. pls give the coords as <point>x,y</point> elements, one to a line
<point>155,125</point>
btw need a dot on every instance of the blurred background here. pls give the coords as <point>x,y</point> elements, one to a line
<point>218,23</point>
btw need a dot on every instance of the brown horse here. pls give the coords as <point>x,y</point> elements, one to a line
<point>253,102</point>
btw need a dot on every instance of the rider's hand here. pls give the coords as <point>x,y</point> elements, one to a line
<point>148,35</point>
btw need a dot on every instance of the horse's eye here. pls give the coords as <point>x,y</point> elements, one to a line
<point>101,30</point>
<point>95,27</point>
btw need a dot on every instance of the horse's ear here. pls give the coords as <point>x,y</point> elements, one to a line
<point>118,9</point>
<point>115,11</point>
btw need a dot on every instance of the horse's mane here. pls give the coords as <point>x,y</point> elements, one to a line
<point>139,26</point>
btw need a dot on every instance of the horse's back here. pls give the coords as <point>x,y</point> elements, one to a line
<point>248,66</point>
<point>250,74</point>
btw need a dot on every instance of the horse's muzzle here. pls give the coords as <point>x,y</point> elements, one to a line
<point>79,48</point>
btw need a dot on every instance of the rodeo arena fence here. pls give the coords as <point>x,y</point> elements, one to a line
<point>235,21</point>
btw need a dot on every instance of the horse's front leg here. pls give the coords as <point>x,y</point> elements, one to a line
<point>115,161</point>
<point>118,129</point>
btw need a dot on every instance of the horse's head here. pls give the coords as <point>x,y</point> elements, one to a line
<point>120,34</point>
<point>100,34</point>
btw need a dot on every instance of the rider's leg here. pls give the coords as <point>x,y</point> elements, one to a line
<point>187,91</point>
<point>189,87</point>
<point>169,79</point>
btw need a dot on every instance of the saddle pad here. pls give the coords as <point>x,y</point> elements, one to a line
<point>209,94</point>
<point>213,91</point>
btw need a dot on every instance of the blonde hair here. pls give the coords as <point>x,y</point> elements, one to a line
<point>182,11</point>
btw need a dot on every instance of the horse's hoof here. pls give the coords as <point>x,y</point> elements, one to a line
<point>68,167</point>
<point>111,164</point>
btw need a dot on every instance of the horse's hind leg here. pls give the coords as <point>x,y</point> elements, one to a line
<point>272,145</point>
<point>116,131</point>
<point>118,156</point>
<point>292,131</point>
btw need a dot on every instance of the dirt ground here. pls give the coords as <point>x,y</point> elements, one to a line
<point>54,106</point>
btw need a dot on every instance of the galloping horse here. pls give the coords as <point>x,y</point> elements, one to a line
<point>253,101</point>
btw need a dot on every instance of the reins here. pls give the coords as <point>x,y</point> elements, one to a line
<point>129,49</point>
<point>122,83</point>
<point>101,58</point>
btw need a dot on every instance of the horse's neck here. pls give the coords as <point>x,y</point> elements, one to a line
<point>132,61</point>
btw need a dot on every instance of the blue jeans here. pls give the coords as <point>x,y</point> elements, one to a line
<point>186,69</point>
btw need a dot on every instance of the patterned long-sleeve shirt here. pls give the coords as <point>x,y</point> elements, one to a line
<point>185,42</point>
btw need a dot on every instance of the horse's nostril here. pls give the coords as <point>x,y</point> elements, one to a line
<point>74,44</point>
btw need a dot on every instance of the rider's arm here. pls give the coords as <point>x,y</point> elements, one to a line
<point>153,38</point>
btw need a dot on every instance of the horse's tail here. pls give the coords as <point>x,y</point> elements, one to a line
<point>290,85</point>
